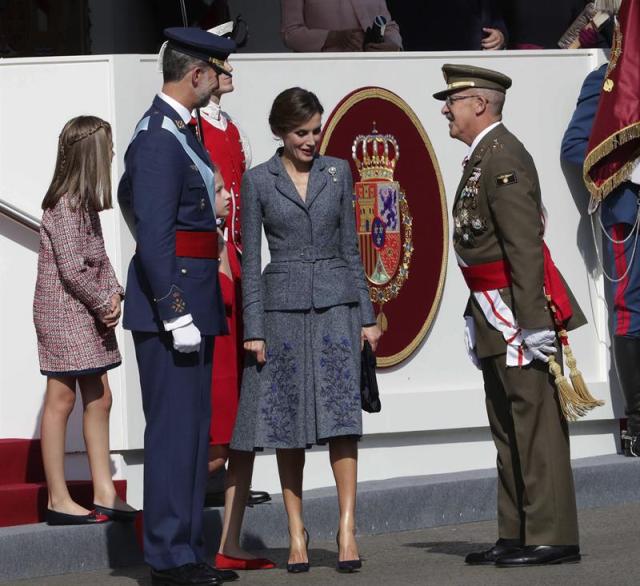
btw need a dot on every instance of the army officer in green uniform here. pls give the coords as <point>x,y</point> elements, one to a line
<point>498,240</point>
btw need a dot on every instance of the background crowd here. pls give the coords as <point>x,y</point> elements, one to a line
<point>89,27</point>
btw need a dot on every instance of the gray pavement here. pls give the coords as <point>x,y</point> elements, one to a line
<point>610,538</point>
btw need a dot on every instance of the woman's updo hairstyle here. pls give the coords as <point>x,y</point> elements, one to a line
<point>293,108</point>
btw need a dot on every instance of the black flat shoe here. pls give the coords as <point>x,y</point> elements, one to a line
<point>491,556</point>
<point>347,566</point>
<point>116,514</point>
<point>300,567</point>
<point>56,518</point>
<point>540,555</point>
<point>186,575</point>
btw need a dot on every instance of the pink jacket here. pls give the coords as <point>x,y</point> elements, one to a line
<point>306,23</point>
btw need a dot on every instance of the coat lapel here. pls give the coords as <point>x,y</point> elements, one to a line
<point>317,180</point>
<point>283,182</point>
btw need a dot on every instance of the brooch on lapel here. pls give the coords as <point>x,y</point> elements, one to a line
<point>332,171</point>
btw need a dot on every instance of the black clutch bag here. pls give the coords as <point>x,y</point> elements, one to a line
<point>368,384</point>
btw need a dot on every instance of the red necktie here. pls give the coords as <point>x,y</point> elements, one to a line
<point>193,127</point>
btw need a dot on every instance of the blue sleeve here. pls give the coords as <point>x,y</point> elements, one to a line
<point>156,171</point>
<point>576,137</point>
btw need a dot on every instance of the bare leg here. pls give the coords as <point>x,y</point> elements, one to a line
<point>96,400</point>
<point>343,453</point>
<point>218,456</point>
<point>238,481</point>
<point>58,404</point>
<point>290,468</point>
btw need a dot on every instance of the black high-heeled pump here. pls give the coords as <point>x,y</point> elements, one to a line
<point>346,566</point>
<point>300,567</point>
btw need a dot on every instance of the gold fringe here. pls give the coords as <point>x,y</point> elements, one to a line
<point>571,38</point>
<point>579,385</point>
<point>606,147</point>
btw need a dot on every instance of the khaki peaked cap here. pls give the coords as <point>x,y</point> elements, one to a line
<point>461,77</point>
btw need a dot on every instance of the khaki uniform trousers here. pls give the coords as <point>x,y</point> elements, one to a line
<point>536,496</point>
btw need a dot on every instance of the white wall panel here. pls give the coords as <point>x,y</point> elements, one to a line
<point>433,418</point>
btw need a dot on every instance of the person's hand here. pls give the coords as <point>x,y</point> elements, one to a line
<point>257,347</point>
<point>384,46</point>
<point>493,40</point>
<point>186,339</point>
<point>372,335</point>
<point>540,342</point>
<point>470,340</point>
<point>346,40</point>
<point>112,318</point>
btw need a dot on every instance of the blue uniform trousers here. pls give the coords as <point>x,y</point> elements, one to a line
<point>176,391</point>
<point>622,261</point>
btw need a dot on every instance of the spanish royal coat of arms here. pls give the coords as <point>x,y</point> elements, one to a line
<point>383,220</point>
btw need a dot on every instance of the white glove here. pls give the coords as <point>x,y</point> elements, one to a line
<point>186,339</point>
<point>470,340</point>
<point>540,342</point>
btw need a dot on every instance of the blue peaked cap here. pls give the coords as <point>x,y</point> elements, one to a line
<point>201,44</point>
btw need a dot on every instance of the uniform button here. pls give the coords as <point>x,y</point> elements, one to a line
<point>183,271</point>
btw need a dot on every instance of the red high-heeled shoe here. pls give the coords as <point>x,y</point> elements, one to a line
<point>225,562</point>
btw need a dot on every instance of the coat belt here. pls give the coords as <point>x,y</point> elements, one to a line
<point>304,254</point>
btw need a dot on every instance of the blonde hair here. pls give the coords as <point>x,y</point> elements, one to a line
<point>83,165</point>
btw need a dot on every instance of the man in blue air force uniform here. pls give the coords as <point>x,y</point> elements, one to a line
<point>174,307</point>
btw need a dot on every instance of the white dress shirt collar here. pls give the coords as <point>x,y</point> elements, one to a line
<point>177,106</point>
<point>480,136</point>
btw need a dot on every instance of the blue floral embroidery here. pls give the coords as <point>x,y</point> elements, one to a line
<point>281,405</point>
<point>340,396</point>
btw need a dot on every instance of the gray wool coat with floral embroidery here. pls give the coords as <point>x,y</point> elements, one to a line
<point>309,306</point>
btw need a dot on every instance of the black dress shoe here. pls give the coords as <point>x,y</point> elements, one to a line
<point>490,556</point>
<point>540,555</point>
<point>216,499</point>
<point>222,575</point>
<point>187,575</point>
<point>257,497</point>
<point>56,518</point>
<point>631,444</point>
<point>116,514</point>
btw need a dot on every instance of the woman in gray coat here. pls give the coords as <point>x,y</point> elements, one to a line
<point>305,317</point>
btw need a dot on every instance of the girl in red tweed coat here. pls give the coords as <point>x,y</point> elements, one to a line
<point>75,310</point>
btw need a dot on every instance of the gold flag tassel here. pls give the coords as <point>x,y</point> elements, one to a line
<point>575,399</point>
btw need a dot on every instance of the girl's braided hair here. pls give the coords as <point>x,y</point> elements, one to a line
<point>83,165</point>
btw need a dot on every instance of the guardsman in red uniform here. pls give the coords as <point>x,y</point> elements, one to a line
<point>228,147</point>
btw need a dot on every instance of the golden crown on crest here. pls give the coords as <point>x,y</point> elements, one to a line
<point>375,155</point>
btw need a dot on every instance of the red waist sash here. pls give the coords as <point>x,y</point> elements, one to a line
<point>497,275</point>
<point>197,244</point>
